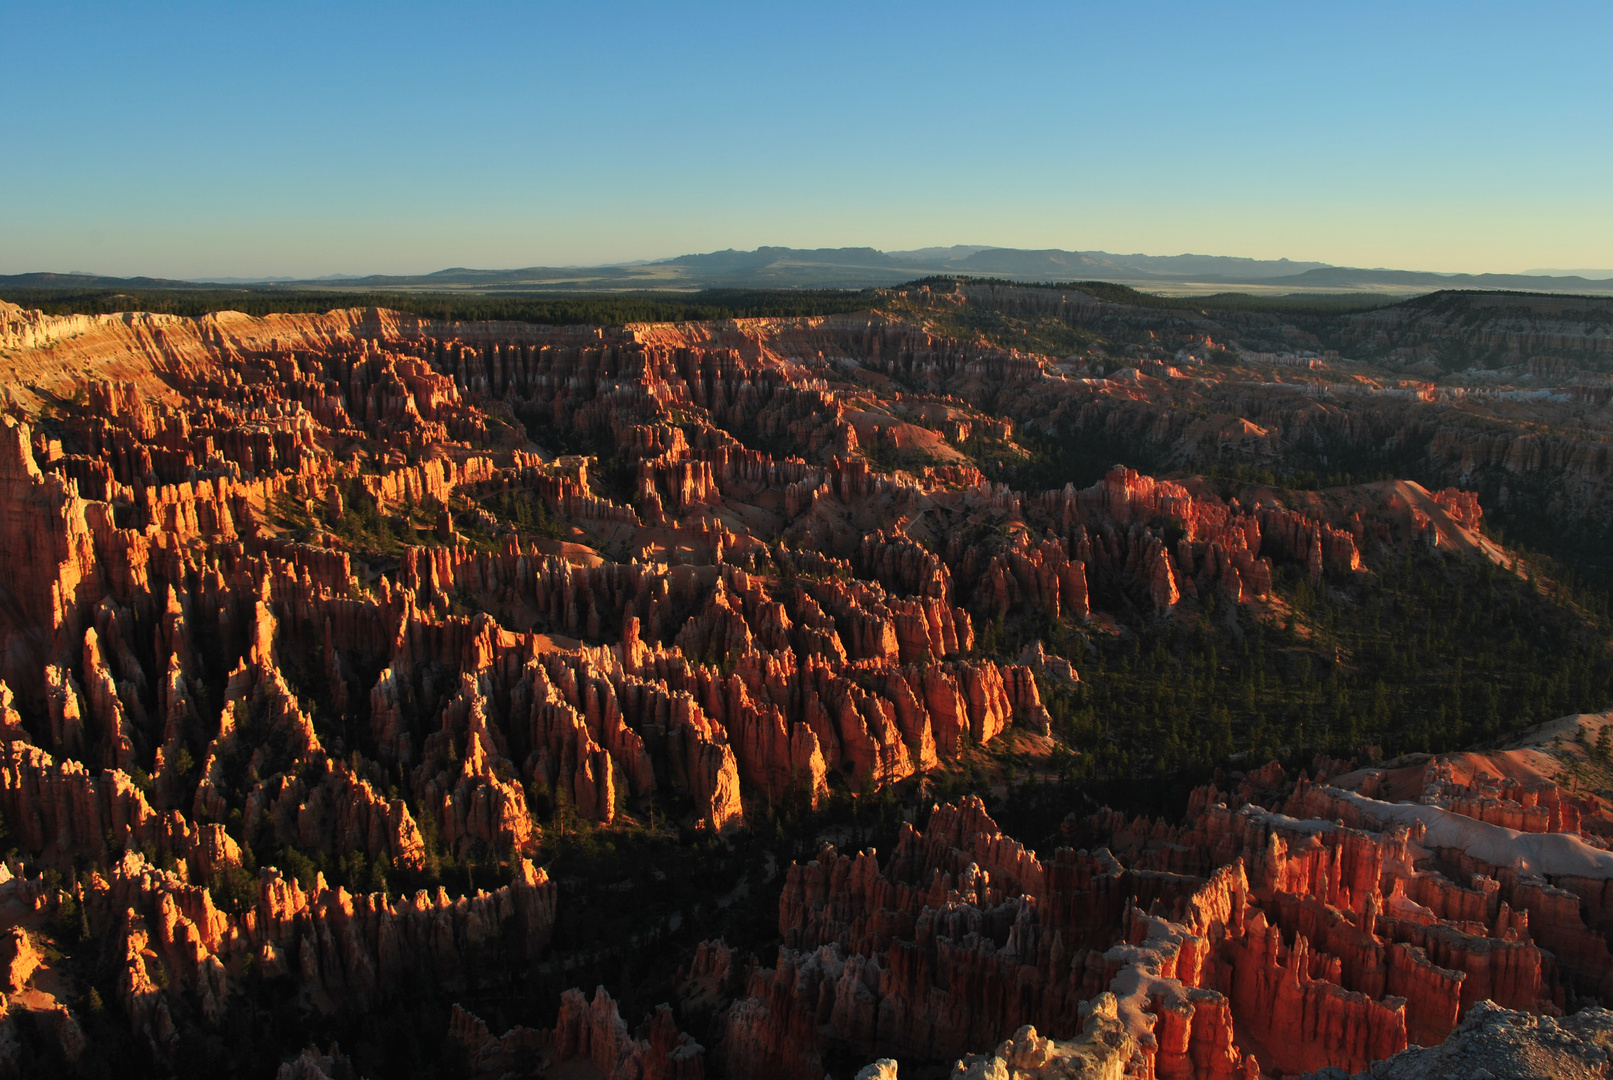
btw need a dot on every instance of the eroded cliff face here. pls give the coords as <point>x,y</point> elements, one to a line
<point>1505,395</point>
<point>315,591</point>
<point>746,652</point>
<point>1288,927</point>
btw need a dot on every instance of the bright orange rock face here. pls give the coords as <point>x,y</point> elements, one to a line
<point>1250,942</point>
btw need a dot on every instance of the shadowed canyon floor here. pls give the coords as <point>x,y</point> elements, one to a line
<point>1008,680</point>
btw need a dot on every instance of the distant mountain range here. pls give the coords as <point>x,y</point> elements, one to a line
<point>1048,264</point>
<point>863,267</point>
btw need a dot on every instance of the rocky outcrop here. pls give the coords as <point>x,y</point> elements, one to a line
<point>590,1034</point>
<point>311,1064</point>
<point>18,959</point>
<point>595,1031</point>
<point>1523,806</point>
<point>341,814</point>
<point>1494,1041</point>
<point>343,949</point>
<point>1100,1052</point>
<point>1314,945</point>
<point>959,940</point>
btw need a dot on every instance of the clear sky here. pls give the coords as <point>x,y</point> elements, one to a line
<point>190,140</point>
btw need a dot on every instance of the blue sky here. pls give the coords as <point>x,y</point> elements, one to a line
<point>221,139</point>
